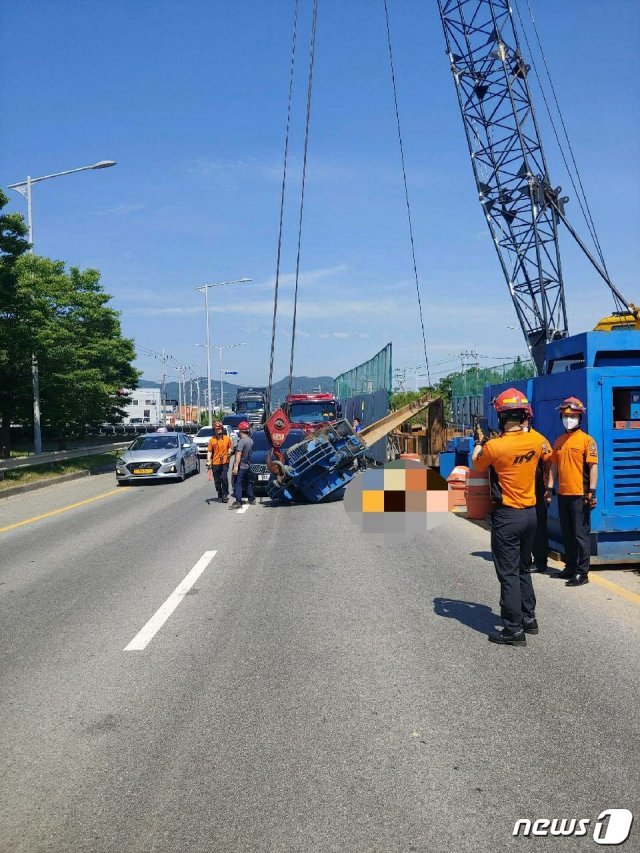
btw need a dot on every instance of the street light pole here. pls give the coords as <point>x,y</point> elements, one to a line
<point>221,386</point>
<point>205,288</point>
<point>24,188</point>
<point>219,347</point>
<point>206,310</point>
<point>29,214</point>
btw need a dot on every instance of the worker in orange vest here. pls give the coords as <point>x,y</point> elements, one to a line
<point>540,549</point>
<point>575,470</point>
<point>218,453</point>
<point>513,458</point>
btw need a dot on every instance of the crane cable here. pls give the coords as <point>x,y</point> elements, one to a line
<point>312,53</point>
<point>294,39</point>
<point>406,189</point>
<point>580,194</point>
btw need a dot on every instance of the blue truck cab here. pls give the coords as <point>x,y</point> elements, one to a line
<point>603,370</point>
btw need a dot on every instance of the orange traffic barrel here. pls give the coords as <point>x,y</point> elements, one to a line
<point>478,494</point>
<point>457,480</point>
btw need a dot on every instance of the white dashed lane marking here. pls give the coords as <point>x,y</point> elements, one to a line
<point>146,634</point>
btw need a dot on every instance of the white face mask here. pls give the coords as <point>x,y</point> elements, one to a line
<point>570,423</point>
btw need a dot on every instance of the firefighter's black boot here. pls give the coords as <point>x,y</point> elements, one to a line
<point>506,638</point>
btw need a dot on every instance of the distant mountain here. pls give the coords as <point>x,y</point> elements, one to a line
<point>299,385</point>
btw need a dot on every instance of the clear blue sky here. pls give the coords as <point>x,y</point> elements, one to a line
<point>190,99</point>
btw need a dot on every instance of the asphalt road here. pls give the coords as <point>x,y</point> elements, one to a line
<point>312,691</point>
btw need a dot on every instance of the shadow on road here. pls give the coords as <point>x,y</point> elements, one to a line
<point>486,555</point>
<point>477,616</point>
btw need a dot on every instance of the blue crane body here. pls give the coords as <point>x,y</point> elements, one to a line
<point>318,468</point>
<point>603,370</point>
<point>523,211</point>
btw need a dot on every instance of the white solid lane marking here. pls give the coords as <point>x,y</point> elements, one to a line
<point>146,634</point>
<point>244,508</point>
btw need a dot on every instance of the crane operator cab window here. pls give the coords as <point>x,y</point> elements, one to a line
<point>566,363</point>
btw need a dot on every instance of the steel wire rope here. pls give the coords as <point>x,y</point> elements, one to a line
<point>581,194</point>
<point>406,188</point>
<point>294,39</point>
<point>312,53</point>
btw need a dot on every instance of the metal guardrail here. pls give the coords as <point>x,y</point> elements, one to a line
<point>57,456</point>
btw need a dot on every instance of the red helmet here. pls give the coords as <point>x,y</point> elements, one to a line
<point>511,400</point>
<point>572,406</point>
<point>243,426</point>
<point>217,425</point>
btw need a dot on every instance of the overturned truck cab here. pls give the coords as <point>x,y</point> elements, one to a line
<point>320,467</point>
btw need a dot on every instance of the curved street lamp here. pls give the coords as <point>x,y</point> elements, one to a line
<point>24,188</point>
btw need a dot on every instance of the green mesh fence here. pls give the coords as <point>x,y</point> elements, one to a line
<point>471,383</point>
<point>373,375</point>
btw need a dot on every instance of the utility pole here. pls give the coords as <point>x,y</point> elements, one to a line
<point>468,360</point>
<point>400,377</point>
<point>24,188</point>
<point>163,395</point>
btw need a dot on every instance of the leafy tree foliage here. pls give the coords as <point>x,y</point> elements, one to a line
<point>62,317</point>
<point>15,360</point>
<point>440,389</point>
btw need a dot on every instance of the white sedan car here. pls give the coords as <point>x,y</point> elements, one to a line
<point>158,456</point>
<point>203,435</point>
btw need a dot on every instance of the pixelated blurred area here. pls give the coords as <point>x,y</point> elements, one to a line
<point>400,500</point>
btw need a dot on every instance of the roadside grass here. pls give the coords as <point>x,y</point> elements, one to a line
<point>51,470</point>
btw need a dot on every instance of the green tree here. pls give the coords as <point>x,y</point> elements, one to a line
<point>15,355</point>
<point>84,361</point>
<point>63,317</point>
<point>442,388</point>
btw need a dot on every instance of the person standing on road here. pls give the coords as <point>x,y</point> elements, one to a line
<point>361,463</point>
<point>218,453</point>
<point>540,549</point>
<point>575,469</point>
<point>241,470</point>
<point>513,457</point>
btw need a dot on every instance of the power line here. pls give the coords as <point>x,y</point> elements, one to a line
<point>406,188</point>
<point>282,197</point>
<point>312,55</point>
<point>581,193</point>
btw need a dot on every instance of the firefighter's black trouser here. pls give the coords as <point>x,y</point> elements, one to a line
<point>512,534</point>
<point>541,540</point>
<point>575,523</point>
<point>221,479</point>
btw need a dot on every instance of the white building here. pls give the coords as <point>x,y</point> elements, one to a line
<point>145,407</point>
